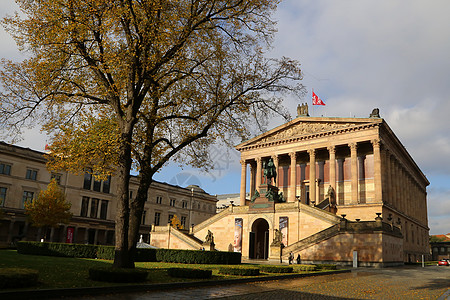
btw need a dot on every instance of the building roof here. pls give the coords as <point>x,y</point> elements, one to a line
<point>444,237</point>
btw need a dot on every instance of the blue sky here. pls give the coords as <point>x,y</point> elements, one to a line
<point>357,55</point>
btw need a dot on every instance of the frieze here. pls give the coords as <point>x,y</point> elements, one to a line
<point>304,129</point>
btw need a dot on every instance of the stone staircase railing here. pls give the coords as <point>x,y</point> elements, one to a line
<point>192,241</point>
<point>313,239</point>
<point>211,220</point>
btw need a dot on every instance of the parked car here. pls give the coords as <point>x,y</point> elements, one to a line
<point>444,262</point>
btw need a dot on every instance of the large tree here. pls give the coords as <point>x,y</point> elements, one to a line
<point>136,83</point>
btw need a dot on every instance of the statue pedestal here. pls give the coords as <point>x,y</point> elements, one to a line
<point>275,251</point>
<point>265,202</point>
<point>209,246</point>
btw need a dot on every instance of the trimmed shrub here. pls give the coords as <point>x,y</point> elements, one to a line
<point>110,274</point>
<point>142,255</point>
<point>146,254</point>
<point>239,271</point>
<point>18,278</point>
<point>276,269</point>
<point>198,257</point>
<point>189,273</point>
<point>105,252</point>
<point>57,249</point>
<point>306,268</point>
<point>327,267</point>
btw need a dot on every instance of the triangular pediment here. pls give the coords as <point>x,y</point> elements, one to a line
<point>305,126</point>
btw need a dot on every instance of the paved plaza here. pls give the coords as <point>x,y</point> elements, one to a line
<point>390,283</point>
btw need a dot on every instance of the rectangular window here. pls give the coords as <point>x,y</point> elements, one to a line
<point>5,169</point>
<point>94,208</point>
<point>97,185</point>
<point>183,221</point>
<point>84,207</point>
<point>104,209</point>
<point>57,177</point>
<point>87,179</point>
<point>172,202</point>
<point>31,174</point>
<point>157,218</point>
<point>143,217</point>
<point>184,204</point>
<point>27,197</point>
<point>170,218</point>
<point>2,196</point>
<point>158,199</point>
<point>107,185</point>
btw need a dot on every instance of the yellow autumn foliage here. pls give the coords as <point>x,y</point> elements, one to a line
<point>50,208</point>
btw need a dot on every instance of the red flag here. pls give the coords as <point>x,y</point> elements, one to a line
<point>316,100</point>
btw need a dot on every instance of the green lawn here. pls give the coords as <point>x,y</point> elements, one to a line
<point>62,272</point>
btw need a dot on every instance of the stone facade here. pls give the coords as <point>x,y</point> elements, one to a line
<point>23,174</point>
<point>349,184</point>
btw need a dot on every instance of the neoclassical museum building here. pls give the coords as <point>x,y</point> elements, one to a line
<point>345,191</point>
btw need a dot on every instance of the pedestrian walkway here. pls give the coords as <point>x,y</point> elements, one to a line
<point>390,283</point>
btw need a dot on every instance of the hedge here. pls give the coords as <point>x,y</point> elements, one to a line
<point>276,269</point>
<point>18,278</point>
<point>142,255</point>
<point>57,249</point>
<point>327,266</point>
<point>239,271</point>
<point>198,257</point>
<point>111,274</point>
<point>306,268</point>
<point>189,273</point>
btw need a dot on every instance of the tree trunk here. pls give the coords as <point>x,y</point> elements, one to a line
<point>123,257</point>
<point>137,208</point>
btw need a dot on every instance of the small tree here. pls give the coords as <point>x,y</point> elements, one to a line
<point>50,208</point>
<point>176,223</point>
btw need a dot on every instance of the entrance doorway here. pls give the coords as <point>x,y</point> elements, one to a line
<point>259,240</point>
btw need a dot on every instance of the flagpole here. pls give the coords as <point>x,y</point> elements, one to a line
<point>312,104</point>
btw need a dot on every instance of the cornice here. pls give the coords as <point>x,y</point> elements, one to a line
<point>308,137</point>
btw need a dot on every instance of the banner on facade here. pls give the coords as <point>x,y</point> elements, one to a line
<point>238,235</point>
<point>69,238</point>
<point>284,230</point>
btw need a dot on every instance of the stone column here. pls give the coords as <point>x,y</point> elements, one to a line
<point>377,170</point>
<point>252,179</point>
<point>332,151</point>
<point>312,175</point>
<point>10,231</point>
<point>385,180</point>
<point>243,182</point>
<point>354,171</point>
<point>393,185</point>
<point>293,182</point>
<point>275,162</point>
<point>258,172</point>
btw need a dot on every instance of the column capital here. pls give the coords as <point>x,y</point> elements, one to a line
<point>243,162</point>
<point>258,159</point>
<point>275,158</point>
<point>293,155</point>
<point>353,146</point>
<point>376,142</point>
<point>332,149</point>
<point>312,152</point>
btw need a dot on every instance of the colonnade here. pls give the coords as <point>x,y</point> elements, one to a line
<point>256,171</point>
<point>402,190</point>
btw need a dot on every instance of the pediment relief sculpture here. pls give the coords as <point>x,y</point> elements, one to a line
<point>304,129</point>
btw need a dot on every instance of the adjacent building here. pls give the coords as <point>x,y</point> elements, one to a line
<point>23,174</point>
